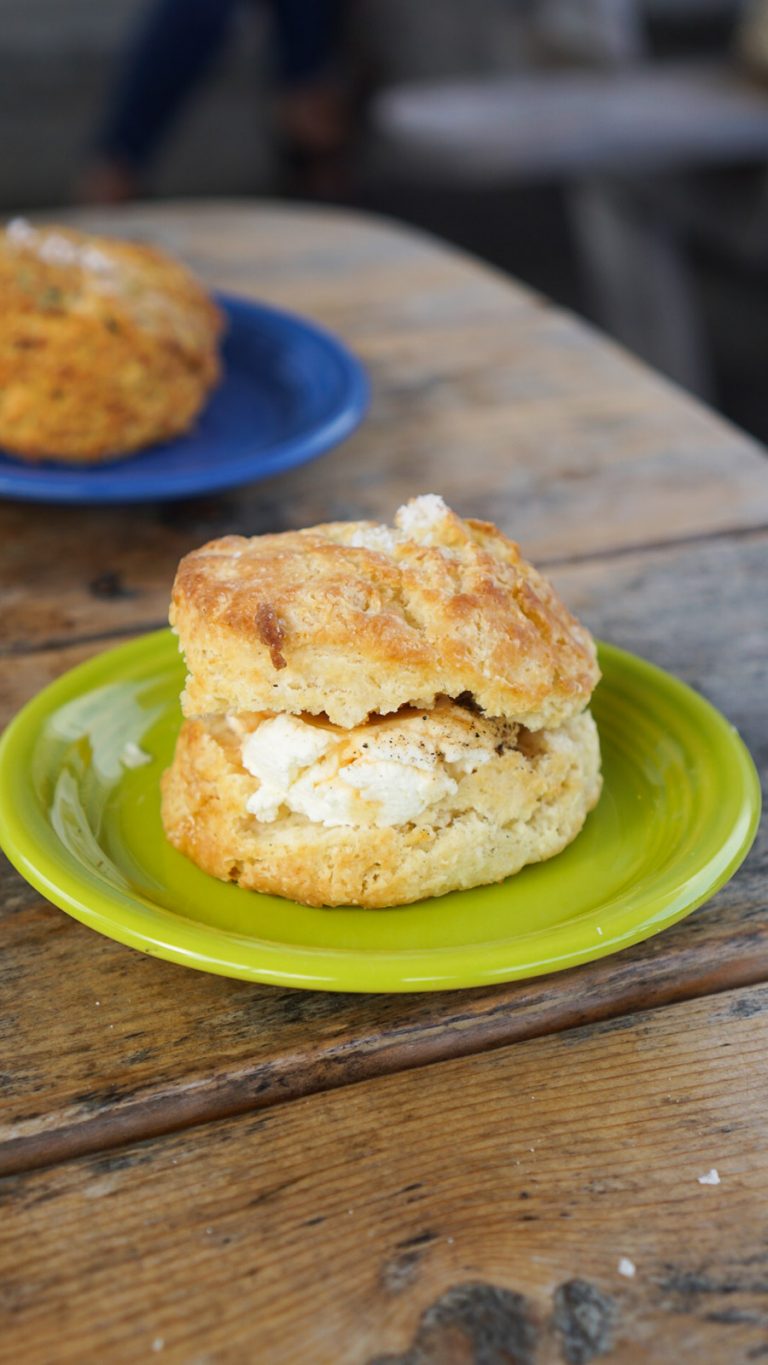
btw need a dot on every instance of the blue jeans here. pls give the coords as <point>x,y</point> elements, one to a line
<point>173,48</point>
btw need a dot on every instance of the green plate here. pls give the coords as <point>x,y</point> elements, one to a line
<point>678,813</point>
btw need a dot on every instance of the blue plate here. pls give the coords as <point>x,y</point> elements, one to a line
<point>289,392</point>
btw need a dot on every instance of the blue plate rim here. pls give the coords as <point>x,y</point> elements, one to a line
<point>50,487</point>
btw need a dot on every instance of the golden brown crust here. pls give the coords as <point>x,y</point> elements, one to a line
<point>105,346</point>
<point>522,806</point>
<point>363,620</point>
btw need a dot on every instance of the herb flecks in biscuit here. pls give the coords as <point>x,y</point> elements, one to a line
<point>105,345</point>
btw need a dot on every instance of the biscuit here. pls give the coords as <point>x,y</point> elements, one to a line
<point>523,802</point>
<point>354,618</point>
<point>105,346</point>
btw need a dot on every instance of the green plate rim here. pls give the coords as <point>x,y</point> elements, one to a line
<point>119,916</point>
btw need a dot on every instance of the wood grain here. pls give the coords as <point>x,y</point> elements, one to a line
<point>481,391</point>
<point>283,1184</point>
<point>165,1048</point>
<point>478,1213</point>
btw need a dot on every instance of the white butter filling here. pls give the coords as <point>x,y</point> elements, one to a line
<point>277,752</point>
<point>384,773</point>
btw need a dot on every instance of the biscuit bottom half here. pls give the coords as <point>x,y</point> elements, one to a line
<point>401,808</point>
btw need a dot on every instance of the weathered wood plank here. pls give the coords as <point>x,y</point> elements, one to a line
<point>477,1211</point>
<point>481,391</point>
<point>98,580</point>
<point>164,1048</point>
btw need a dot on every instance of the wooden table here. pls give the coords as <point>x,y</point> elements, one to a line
<point>207,1171</point>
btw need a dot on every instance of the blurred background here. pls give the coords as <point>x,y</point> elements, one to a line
<point>612,153</point>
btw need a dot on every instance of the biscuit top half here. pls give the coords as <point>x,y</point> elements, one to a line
<point>53,276</point>
<point>354,618</point>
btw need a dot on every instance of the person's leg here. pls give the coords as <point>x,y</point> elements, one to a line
<point>306,39</point>
<point>173,47</point>
<point>311,104</point>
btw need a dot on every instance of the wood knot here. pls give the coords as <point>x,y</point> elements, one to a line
<point>109,585</point>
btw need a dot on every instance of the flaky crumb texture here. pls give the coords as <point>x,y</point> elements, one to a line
<point>349,619</point>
